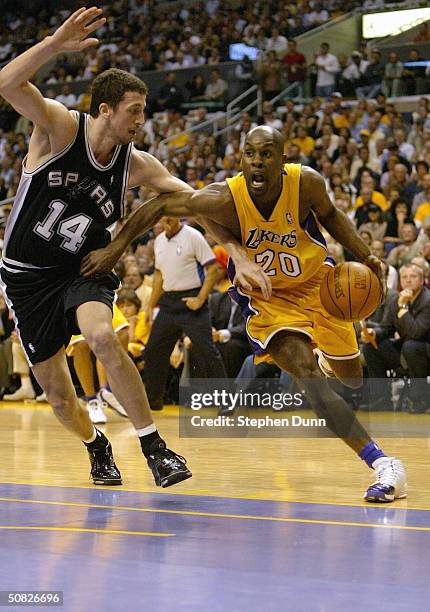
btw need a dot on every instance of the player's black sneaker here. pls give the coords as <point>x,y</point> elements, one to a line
<point>167,467</point>
<point>103,468</point>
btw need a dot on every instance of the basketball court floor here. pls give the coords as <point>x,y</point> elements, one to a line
<point>264,524</point>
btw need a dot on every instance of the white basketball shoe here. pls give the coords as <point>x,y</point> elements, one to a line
<point>390,483</point>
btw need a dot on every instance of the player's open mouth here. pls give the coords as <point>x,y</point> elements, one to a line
<point>132,132</point>
<point>257,181</point>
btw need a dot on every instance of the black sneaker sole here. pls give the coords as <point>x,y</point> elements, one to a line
<point>108,483</point>
<point>174,478</point>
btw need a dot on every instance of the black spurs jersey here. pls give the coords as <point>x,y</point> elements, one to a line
<point>63,208</point>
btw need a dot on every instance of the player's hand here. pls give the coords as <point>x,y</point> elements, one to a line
<point>72,34</point>
<point>99,262</point>
<point>249,276</point>
<point>193,303</point>
<point>380,269</point>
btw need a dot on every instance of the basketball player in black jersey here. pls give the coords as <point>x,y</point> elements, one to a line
<point>72,190</point>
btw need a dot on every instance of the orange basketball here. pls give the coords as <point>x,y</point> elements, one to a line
<point>350,291</point>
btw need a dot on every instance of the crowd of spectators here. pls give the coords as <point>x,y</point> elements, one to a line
<point>143,35</point>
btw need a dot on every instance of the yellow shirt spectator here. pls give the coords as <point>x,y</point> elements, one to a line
<point>377,198</point>
<point>306,145</point>
<point>422,216</point>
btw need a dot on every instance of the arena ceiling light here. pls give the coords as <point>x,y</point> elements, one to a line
<point>377,25</point>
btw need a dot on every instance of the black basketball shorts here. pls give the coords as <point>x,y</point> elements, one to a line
<point>43,304</point>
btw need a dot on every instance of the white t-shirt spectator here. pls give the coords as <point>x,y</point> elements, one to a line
<point>278,44</point>
<point>69,100</point>
<point>328,66</point>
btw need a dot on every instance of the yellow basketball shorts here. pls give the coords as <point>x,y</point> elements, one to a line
<point>118,322</point>
<point>297,309</point>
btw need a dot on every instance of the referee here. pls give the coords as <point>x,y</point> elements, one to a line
<point>185,273</point>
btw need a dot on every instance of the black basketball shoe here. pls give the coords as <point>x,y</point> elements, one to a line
<point>103,468</point>
<point>167,467</point>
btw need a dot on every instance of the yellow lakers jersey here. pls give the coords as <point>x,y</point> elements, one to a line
<point>287,252</point>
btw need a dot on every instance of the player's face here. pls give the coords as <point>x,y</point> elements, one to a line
<point>128,116</point>
<point>262,162</point>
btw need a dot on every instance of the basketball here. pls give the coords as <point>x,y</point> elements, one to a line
<point>350,291</point>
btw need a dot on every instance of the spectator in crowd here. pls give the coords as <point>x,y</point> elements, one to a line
<point>422,196</point>
<point>21,369</point>
<point>270,71</point>
<point>423,34</point>
<point>414,73</point>
<point>216,90</point>
<point>67,97</point>
<point>375,225</point>
<point>295,64</point>
<point>138,328</point>
<point>327,69</point>
<point>353,74</point>
<point>397,216</point>
<point>277,43</point>
<point>406,149</point>
<point>79,350</point>
<point>244,72</point>
<point>403,333</point>
<point>134,279</point>
<point>408,249</point>
<point>170,94</point>
<point>372,77</point>
<point>378,249</point>
<point>228,332</point>
<point>422,216</point>
<point>392,75</point>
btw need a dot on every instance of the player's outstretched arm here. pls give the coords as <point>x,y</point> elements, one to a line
<point>212,201</point>
<point>15,77</point>
<point>313,193</point>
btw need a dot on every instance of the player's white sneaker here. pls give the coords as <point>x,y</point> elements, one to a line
<point>96,412</point>
<point>42,397</point>
<point>390,483</point>
<point>324,364</point>
<point>20,394</point>
<point>109,398</point>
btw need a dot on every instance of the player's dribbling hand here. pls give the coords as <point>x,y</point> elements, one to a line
<point>380,269</point>
<point>250,276</point>
<point>98,263</point>
<point>72,34</point>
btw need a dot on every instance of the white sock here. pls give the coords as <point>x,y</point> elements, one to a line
<point>146,430</point>
<point>26,384</point>
<point>93,437</point>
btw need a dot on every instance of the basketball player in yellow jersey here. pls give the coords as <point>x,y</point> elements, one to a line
<point>272,212</point>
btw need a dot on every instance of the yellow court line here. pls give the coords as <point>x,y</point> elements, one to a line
<point>84,530</point>
<point>251,517</point>
<point>206,493</point>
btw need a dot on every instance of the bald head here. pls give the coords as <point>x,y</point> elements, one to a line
<point>267,135</point>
